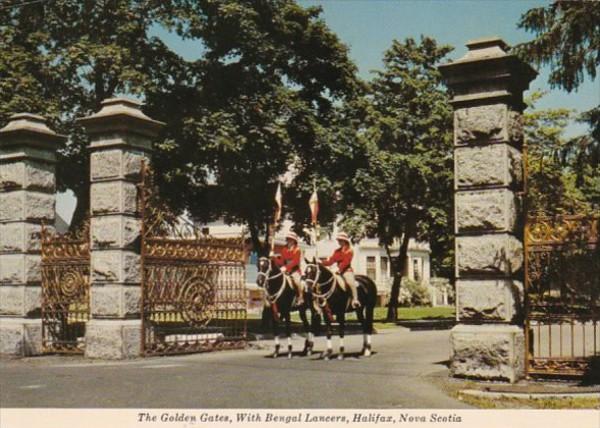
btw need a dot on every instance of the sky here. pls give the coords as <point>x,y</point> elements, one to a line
<point>368,27</point>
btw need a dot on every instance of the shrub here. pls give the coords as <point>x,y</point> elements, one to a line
<point>413,293</point>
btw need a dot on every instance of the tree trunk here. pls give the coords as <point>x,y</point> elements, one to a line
<point>399,266</point>
<point>257,246</point>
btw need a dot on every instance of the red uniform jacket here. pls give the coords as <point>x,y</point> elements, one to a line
<point>290,258</point>
<point>343,258</point>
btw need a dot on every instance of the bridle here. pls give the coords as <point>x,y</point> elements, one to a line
<point>271,298</point>
<point>315,285</point>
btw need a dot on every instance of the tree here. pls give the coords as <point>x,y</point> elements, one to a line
<point>568,39</point>
<point>552,170</point>
<point>267,79</point>
<point>62,58</point>
<point>257,103</point>
<point>404,189</point>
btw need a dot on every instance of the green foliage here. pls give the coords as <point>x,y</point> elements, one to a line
<point>567,38</point>
<point>401,187</point>
<point>261,99</point>
<point>552,168</point>
<point>61,58</point>
<point>261,96</point>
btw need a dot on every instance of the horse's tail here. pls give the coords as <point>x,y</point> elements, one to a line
<point>368,305</point>
<point>370,288</point>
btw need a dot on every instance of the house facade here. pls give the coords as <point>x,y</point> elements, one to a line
<point>370,258</point>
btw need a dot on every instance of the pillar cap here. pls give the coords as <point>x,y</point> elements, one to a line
<point>29,130</point>
<point>121,114</point>
<point>488,72</point>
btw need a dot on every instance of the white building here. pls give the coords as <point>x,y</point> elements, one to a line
<point>370,258</point>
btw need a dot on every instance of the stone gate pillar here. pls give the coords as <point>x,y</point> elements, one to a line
<point>27,197</point>
<point>487,86</point>
<point>121,137</point>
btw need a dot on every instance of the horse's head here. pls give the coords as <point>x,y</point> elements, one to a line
<point>311,271</point>
<point>264,268</point>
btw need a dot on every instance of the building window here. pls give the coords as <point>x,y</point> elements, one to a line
<point>384,267</point>
<point>417,270</point>
<point>371,268</point>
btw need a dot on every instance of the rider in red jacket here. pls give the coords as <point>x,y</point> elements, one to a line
<point>343,257</point>
<point>289,262</point>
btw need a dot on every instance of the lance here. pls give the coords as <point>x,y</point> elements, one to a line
<point>277,215</point>
<point>313,204</point>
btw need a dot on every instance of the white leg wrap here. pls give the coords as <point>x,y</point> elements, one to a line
<point>310,337</point>
<point>368,339</point>
<point>276,340</point>
<point>341,342</point>
<point>329,345</point>
<point>289,341</point>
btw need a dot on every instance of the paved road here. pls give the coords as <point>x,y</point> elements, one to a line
<point>400,375</point>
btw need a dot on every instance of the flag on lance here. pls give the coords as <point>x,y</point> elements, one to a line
<point>313,203</point>
<point>277,203</point>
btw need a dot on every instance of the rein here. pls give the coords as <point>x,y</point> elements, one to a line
<point>272,298</point>
<point>321,297</point>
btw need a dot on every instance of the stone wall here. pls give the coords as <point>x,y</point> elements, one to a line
<point>487,85</point>
<point>27,198</point>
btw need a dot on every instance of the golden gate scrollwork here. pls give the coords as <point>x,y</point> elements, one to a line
<point>65,289</point>
<point>562,280</point>
<point>193,285</point>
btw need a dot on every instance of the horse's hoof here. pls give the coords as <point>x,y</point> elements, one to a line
<point>289,356</point>
<point>274,355</point>
<point>340,357</point>
<point>367,353</point>
<point>309,352</point>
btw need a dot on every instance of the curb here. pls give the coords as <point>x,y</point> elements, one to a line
<point>529,395</point>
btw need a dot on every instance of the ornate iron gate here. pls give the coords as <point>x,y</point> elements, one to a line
<point>65,290</point>
<point>193,286</point>
<point>562,283</point>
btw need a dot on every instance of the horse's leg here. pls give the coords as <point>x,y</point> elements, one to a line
<point>341,317</point>
<point>368,330</point>
<point>363,322</point>
<point>276,336</point>
<point>329,350</point>
<point>288,333</point>
<point>306,326</point>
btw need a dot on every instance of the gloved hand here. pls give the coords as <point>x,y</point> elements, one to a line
<point>283,269</point>
<point>271,254</point>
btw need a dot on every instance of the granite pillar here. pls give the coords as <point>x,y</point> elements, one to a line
<point>487,86</point>
<point>121,138</point>
<point>27,198</point>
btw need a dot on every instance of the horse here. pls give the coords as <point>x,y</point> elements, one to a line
<point>280,295</point>
<point>331,293</point>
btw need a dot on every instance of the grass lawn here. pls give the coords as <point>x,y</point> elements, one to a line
<point>453,388</point>
<point>416,313</point>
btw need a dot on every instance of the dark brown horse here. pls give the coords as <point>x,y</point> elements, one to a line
<point>280,296</point>
<point>334,299</point>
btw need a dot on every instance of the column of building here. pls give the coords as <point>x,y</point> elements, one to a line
<point>121,138</point>
<point>27,198</point>
<point>487,86</point>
